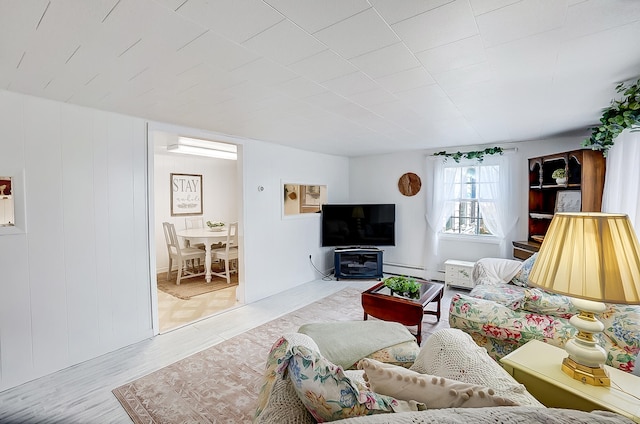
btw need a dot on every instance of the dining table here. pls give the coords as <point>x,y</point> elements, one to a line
<point>206,236</point>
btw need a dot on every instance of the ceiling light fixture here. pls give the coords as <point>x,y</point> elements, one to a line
<point>212,149</point>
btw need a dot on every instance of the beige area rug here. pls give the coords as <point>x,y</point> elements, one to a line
<point>221,384</point>
<point>194,286</point>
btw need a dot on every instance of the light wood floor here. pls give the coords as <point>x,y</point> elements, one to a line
<point>82,393</point>
<point>174,312</point>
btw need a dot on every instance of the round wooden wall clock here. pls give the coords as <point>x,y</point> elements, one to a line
<point>409,184</point>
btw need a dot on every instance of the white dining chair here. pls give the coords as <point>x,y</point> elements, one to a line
<point>191,223</point>
<point>229,254</point>
<point>181,255</point>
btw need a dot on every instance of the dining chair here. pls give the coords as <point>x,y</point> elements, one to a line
<point>181,254</point>
<point>229,254</point>
<point>190,223</point>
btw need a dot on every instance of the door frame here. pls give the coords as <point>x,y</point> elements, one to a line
<point>151,153</point>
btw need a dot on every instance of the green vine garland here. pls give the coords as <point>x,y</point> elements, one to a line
<point>622,114</point>
<point>478,155</point>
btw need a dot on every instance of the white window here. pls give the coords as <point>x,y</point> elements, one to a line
<point>463,190</point>
<point>472,199</point>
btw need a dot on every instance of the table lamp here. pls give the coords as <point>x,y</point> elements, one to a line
<point>592,258</point>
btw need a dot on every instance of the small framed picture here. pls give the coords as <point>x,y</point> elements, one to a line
<point>186,194</point>
<point>569,201</point>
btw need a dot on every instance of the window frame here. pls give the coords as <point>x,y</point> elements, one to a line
<point>463,198</point>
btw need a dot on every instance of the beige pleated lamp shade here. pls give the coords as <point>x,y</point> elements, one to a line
<point>592,256</point>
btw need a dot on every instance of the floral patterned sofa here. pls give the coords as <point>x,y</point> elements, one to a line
<point>502,313</point>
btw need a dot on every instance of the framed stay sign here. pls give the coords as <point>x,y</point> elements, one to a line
<point>186,194</point>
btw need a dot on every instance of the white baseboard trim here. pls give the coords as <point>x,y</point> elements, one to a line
<point>417,271</point>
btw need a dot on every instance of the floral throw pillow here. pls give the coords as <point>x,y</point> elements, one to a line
<point>272,377</point>
<point>401,354</point>
<point>522,277</point>
<point>330,395</point>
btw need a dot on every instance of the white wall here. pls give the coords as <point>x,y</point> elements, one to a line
<point>277,248</point>
<point>374,179</point>
<point>76,284</point>
<point>219,184</point>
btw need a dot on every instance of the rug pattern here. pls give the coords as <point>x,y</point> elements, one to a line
<point>221,384</point>
<point>193,286</point>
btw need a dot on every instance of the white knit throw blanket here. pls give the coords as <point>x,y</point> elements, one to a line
<point>493,415</point>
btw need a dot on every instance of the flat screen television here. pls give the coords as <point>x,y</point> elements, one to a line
<point>358,225</point>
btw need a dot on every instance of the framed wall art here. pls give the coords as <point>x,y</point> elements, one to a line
<point>569,201</point>
<point>186,194</point>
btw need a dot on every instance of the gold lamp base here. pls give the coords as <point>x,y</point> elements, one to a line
<point>595,376</point>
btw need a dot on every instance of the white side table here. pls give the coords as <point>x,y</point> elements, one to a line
<point>458,273</point>
<point>537,365</point>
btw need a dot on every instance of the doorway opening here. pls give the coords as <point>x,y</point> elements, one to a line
<point>191,191</point>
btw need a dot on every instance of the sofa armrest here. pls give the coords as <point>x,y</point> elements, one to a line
<point>498,322</point>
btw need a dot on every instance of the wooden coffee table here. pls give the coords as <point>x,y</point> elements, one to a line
<point>380,303</point>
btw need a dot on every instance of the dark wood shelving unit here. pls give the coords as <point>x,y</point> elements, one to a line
<point>585,174</point>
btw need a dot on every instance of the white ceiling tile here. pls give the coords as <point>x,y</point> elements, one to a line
<point>17,23</point>
<point>526,59</point>
<point>327,100</point>
<point>481,7</point>
<point>386,61</point>
<point>264,71</point>
<point>597,15</point>
<point>397,112</point>
<point>217,51</point>
<point>454,55</point>
<point>237,20</point>
<point>522,19</point>
<point>350,84</point>
<point>171,4</point>
<point>455,132</point>
<point>406,80</point>
<point>430,102</point>
<point>576,57</point>
<point>300,88</point>
<point>284,43</point>
<point>323,66</point>
<point>463,77</point>
<point>394,11</point>
<point>358,35</point>
<point>446,24</point>
<point>375,123</point>
<point>372,97</point>
<point>312,15</point>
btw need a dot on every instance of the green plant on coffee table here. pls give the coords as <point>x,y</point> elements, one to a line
<point>404,286</point>
<point>559,173</point>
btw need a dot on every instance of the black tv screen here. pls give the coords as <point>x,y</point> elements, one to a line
<point>358,225</point>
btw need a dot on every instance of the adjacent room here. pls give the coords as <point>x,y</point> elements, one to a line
<point>286,211</point>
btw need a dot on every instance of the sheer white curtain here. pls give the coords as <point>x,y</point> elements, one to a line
<point>439,206</point>
<point>498,199</point>
<point>622,179</point>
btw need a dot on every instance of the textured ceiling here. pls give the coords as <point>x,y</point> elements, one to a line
<point>346,77</point>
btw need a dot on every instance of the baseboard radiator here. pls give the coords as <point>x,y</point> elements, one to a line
<point>417,271</point>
